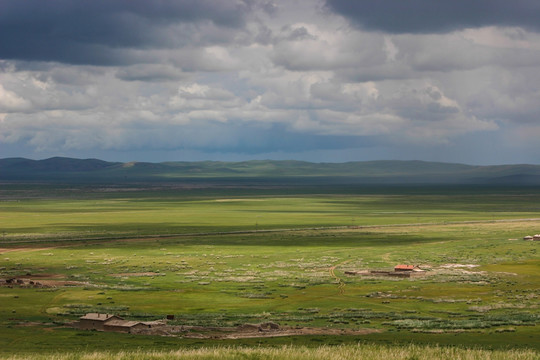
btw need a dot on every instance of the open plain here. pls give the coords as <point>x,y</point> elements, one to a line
<point>226,257</point>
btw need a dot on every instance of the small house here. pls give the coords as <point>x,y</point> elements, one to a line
<point>528,237</point>
<point>96,321</point>
<point>124,326</point>
<point>536,237</point>
<point>402,267</point>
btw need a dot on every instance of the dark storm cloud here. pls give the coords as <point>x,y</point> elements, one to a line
<point>437,16</point>
<point>94,32</point>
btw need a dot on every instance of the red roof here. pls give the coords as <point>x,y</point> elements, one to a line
<point>404,267</point>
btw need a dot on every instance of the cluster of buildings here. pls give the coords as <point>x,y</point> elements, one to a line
<point>109,322</point>
<point>534,237</point>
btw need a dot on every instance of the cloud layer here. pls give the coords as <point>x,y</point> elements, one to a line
<point>332,81</point>
<point>426,16</point>
<point>98,32</point>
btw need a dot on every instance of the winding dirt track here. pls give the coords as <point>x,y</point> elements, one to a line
<point>341,284</point>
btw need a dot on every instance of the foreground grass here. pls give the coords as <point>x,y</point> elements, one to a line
<point>365,352</point>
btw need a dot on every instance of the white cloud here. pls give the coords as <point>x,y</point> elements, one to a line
<point>503,37</point>
<point>150,73</point>
<point>11,102</point>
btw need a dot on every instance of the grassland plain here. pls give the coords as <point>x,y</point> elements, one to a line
<point>98,250</point>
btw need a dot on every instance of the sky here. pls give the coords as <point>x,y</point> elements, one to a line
<point>231,80</point>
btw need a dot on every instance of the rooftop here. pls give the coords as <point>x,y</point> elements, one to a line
<point>404,267</point>
<point>123,323</point>
<point>98,316</point>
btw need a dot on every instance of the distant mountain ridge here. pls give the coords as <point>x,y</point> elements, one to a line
<point>384,171</point>
<point>53,164</point>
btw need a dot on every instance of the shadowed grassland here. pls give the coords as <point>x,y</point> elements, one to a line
<point>481,290</point>
<point>105,212</point>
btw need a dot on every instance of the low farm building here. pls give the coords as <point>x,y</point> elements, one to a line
<point>536,237</point>
<point>124,326</point>
<point>97,321</point>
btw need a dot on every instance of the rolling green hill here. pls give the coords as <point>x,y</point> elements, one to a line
<point>60,169</point>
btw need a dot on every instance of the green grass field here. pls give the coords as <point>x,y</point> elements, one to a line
<point>215,264</point>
